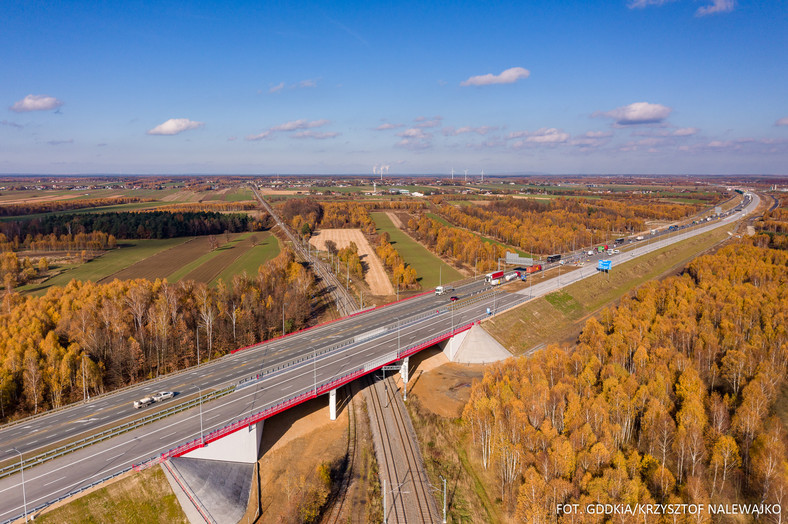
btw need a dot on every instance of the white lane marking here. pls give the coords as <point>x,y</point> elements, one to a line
<point>56,480</point>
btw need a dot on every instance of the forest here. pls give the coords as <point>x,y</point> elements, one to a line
<point>87,338</point>
<point>670,397</point>
<point>142,224</point>
<point>560,224</point>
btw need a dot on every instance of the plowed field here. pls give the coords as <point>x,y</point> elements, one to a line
<point>376,277</point>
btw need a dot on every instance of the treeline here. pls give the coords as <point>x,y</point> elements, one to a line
<point>15,272</point>
<point>667,398</point>
<point>152,224</point>
<point>561,224</point>
<point>194,207</point>
<point>403,275</point>
<point>347,215</point>
<point>348,256</point>
<point>456,243</point>
<point>87,338</point>
<point>50,206</point>
<point>95,241</point>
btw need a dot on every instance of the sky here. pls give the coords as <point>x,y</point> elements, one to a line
<point>269,87</point>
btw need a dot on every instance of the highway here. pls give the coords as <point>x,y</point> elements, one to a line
<point>321,355</point>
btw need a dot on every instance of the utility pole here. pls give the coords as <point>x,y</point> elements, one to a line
<point>444,499</point>
<point>22,469</point>
<point>385,517</point>
<point>202,439</point>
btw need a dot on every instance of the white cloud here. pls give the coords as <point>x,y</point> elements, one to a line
<point>425,122</point>
<point>511,75</point>
<point>716,6</point>
<point>640,4</point>
<point>295,125</point>
<point>314,134</point>
<point>387,126</point>
<point>782,122</point>
<point>414,138</point>
<point>260,136</point>
<point>637,114</point>
<point>686,131</point>
<point>309,82</point>
<point>544,135</point>
<point>173,126</point>
<point>482,130</point>
<point>36,103</point>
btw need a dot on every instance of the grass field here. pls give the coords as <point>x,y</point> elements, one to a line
<point>267,249</point>
<point>559,316</point>
<point>142,497</point>
<point>130,252</point>
<point>430,269</point>
<point>195,263</point>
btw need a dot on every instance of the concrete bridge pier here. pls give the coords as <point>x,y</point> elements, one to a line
<point>332,404</point>
<point>241,446</point>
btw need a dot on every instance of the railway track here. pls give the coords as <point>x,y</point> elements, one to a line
<point>335,515</point>
<point>407,496</point>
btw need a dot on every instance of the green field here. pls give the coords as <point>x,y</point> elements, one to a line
<point>239,195</point>
<point>430,269</point>
<point>130,252</point>
<point>267,249</point>
<point>194,264</point>
<point>142,497</point>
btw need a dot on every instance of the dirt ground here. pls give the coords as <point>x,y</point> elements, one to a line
<point>395,219</point>
<point>376,277</point>
<point>442,386</point>
<point>294,444</point>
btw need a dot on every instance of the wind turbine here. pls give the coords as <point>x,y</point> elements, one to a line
<point>466,175</point>
<point>452,174</point>
<point>482,176</point>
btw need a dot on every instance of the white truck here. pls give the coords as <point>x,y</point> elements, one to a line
<point>144,401</point>
<point>442,290</point>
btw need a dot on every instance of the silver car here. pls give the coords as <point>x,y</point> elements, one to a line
<point>163,395</point>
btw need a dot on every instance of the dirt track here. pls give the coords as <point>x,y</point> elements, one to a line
<point>376,277</point>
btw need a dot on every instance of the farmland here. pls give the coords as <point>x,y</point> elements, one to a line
<point>130,252</point>
<point>376,276</point>
<point>431,269</point>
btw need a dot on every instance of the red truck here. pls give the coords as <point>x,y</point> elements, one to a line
<point>494,278</point>
<point>533,269</point>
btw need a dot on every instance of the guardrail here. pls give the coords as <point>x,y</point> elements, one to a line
<point>112,432</point>
<point>248,421</point>
<point>31,511</point>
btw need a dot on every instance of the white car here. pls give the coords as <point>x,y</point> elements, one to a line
<point>163,395</point>
<point>616,251</point>
<point>590,253</point>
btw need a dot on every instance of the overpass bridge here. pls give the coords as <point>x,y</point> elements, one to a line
<point>255,383</point>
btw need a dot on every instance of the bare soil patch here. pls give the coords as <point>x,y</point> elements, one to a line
<point>163,263</point>
<point>376,277</point>
<point>442,386</point>
<point>397,219</point>
<point>293,446</point>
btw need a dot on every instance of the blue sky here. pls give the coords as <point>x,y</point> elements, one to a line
<point>618,86</point>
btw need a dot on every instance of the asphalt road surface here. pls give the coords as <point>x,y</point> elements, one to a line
<point>378,333</point>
